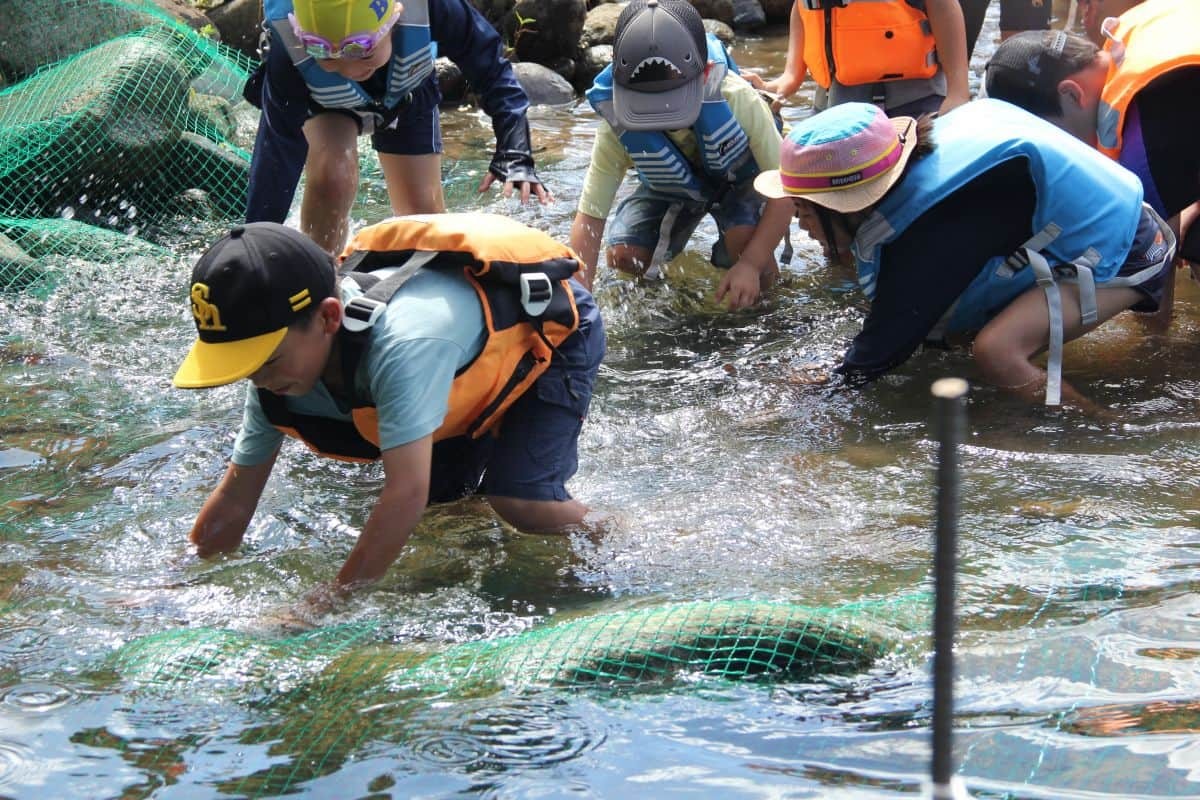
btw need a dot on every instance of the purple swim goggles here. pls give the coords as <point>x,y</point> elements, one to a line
<point>356,45</point>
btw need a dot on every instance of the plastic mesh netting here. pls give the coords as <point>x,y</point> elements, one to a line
<point>733,639</point>
<point>119,129</point>
<point>327,696</point>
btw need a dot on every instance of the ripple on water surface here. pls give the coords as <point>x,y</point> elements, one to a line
<point>16,760</point>
<point>37,698</point>
<point>529,731</point>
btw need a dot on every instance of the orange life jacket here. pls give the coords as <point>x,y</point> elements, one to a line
<point>521,276</point>
<point>1149,40</point>
<point>867,41</point>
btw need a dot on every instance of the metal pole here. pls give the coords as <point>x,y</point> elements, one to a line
<point>951,411</point>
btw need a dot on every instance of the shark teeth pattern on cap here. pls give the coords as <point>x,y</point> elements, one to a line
<point>655,68</point>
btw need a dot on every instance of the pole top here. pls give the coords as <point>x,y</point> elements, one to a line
<point>949,388</point>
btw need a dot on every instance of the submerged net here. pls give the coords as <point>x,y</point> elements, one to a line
<point>115,116</point>
<point>730,639</point>
<point>326,696</point>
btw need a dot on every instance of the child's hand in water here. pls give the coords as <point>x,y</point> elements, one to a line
<point>740,285</point>
<point>306,614</point>
<point>811,374</point>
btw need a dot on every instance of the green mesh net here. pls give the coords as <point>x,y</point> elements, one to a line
<point>326,696</point>
<point>120,129</point>
<point>732,639</point>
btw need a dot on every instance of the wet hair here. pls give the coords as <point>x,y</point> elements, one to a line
<point>1026,69</point>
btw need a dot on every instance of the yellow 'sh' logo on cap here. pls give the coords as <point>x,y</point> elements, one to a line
<point>208,316</point>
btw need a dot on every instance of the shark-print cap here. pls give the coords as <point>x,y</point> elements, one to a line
<point>659,56</point>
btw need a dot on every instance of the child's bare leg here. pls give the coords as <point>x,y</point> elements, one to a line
<point>1022,330</point>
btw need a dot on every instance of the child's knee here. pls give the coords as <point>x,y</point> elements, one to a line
<point>996,350</point>
<point>331,176</point>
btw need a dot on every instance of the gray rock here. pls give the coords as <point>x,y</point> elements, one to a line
<point>451,81</point>
<point>563,66</point>
<point>118,142</point>
<point>239,23</point>
<point>748,15</point>
<point>543,85</point>
<point>34,35</point>
<point>600,25</point>
<point>18,270</point>
<point>592,61</point>
<point>777,10</point>
<point>715,9</point>
<point>720,30</point>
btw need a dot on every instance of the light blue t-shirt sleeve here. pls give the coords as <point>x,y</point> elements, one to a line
<point>257,439</point>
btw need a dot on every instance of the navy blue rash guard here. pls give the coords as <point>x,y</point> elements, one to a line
<point>933,261</point>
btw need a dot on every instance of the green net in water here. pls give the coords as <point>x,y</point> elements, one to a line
<point>728,639</point>
<point>325,697</point>
<point>137,125</point>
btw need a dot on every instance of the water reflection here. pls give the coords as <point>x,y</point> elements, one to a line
<point>727,475</point>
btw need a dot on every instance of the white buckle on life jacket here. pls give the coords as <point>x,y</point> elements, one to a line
<point>361,313</point>
<point>536,293</point>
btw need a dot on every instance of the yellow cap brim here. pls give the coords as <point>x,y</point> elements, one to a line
<point>218,363</point>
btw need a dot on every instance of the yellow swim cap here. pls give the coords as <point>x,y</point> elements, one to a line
<point>337,19</point>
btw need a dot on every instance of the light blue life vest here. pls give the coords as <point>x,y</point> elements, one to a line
<point>724,146</point>
<point>413,52</point>
<point>1085,218</point>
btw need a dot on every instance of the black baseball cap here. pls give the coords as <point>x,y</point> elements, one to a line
<point>659,56</point>
<point>246,290</point>
<point>1025,69</point>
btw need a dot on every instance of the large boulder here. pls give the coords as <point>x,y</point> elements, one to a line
<point>107,137</point>
<point>591,63</point>
<point>451,81</point>
<point>600,25</point>
<point>545,30</point>
<point>715,9</point>
<point>240,24</point>
<point>748,15</point>
<point>543,85</point>
<point>33,35</point>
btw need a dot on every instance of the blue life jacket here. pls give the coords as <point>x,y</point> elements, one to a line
<point>1086,213</point>
<point>1086,216</point>
<point>724,146</point>
<point>413,52</point>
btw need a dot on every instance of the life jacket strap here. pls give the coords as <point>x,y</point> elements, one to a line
<point>364,311</point>
<point>1019,259</point>
<point>1045,278</point>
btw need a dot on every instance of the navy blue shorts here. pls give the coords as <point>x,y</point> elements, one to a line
<point>1149,249</point>
<point>414,128</point>
<point>417,130</point>
<point>535,450</point>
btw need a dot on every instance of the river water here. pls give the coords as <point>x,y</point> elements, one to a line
<point>725,477</point>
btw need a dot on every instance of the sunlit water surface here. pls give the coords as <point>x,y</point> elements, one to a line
<point>726,477</point>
